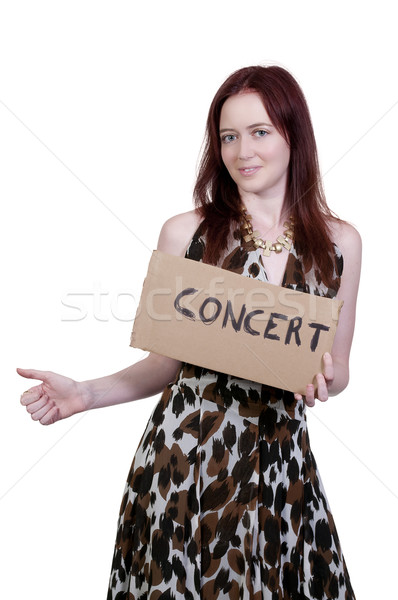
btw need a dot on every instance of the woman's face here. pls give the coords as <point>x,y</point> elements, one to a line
<point>254,152</point>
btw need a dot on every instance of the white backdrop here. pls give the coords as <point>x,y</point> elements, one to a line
<point>102,113</point>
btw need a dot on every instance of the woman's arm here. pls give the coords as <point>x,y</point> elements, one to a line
<point>335,375</point>
<point>59,397</point>
<point>143,379</point>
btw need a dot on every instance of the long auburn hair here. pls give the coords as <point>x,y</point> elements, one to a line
<point>216,195</point>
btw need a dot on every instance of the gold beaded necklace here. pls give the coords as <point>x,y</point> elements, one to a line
<point>283,241</point>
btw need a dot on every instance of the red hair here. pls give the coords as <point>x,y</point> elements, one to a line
<point>216,194</point>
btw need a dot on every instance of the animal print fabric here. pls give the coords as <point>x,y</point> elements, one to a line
<point>224,500</point>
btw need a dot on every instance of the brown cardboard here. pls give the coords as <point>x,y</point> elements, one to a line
<point>226,322</point>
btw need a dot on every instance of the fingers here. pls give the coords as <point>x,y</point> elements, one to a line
<point>50,417</point>
<point>43,410</point>
<point>310,395</point>
<point>33,407</point>
<point>32,395</point>
<point>326,378</point>
<point>309,398</point>
<point>328,368</point>
<point>322,393</point>
<point>39,413</point>
<point>36,401</point>
<point>320,388</point>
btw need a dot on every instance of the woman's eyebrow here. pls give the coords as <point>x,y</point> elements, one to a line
<point>248,127</point>
<point>260,125</point>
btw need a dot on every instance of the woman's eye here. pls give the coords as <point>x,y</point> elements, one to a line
<point>230,137</point>
<point>261,133</point>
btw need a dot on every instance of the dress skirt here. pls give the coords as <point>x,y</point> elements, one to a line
<point>224,500</point>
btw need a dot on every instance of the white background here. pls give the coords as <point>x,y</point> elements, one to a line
<point>102,113</point>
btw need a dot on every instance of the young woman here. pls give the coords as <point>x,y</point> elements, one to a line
<point>223,499</point>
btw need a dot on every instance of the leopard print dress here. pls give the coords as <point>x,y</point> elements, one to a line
<point>224,500</point>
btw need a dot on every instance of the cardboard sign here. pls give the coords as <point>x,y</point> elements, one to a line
<point>208,316</point>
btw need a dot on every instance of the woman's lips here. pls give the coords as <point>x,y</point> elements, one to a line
<point>247,171</point>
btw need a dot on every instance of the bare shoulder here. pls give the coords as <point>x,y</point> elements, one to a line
<point>178,231</point>
<point>348,239</point>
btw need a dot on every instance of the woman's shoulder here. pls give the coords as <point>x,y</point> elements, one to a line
<point>346,237</point>
<point>348,241</point>
<point>178,231</point>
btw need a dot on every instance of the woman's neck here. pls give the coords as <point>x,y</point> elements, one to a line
<point>269,212</point>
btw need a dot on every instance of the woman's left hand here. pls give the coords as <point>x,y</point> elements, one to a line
<point>323,382</point>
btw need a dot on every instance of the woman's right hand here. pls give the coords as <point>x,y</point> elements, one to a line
<point>56,398</point>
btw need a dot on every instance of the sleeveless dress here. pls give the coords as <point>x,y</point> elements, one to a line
<point>224,500</point>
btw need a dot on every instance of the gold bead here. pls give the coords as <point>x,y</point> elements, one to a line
<point>267,248</point>
<point>285,242</point>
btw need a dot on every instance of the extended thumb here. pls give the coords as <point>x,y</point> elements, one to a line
<point>32,374</point>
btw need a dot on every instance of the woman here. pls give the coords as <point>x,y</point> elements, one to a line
<point>224,499</point>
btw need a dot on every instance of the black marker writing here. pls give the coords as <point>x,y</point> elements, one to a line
<point>272,325</point>
<point>208,320</point>
<point>230,313</point>
<point>315,338</point>
<point>294,327</point>
<point>185,311</point>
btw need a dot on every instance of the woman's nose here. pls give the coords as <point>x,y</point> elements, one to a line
<point>246,150</point>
